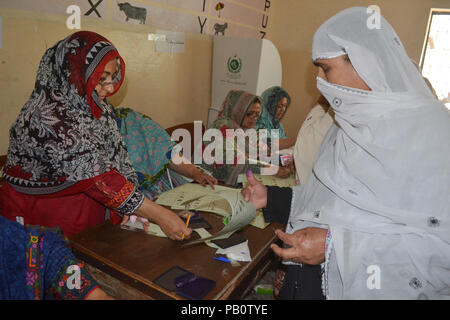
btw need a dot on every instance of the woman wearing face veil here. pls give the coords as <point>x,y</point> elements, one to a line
<point>374,213</point>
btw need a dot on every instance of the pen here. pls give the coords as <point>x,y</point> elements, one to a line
<point>187,224</point>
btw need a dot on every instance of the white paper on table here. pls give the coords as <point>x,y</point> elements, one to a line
<point>239,252</point>
<point>153,229</point>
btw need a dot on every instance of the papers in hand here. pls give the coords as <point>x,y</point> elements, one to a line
<point>270,180</point>
<point>224,201</point>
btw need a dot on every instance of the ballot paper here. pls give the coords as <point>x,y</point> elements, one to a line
<point>270,180</point>
<point>259,221</point>
<point>153,229</point>
<point>224,201</point>
<point>192,196</point>
<point>209,203</point>
<point>242,214</point>
<point>221,200</point>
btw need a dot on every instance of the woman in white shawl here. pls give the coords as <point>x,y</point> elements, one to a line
<point>375,213</point>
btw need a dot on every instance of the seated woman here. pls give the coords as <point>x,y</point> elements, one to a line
<point>275,102</point>
<point>240,110</point>
<point>36,263</point>
<point>67,165</point>
<point>150,148</point>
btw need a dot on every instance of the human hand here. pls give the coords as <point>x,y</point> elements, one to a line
<point>306,246</point>
<point>172,225</point>
<point>255,192</point>
<point>283,172</point>
<point>133,219</point>
<point>98,294</point>
<point>204,178</point>
<point>291,166</point>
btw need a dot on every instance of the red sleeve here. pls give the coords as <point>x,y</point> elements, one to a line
<point>114,191</point>
<point>84,185</point>
<point>111,189</point>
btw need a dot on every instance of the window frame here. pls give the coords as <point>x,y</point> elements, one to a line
<point>433,11</point>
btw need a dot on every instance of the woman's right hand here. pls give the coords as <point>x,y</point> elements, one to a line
<point>172,225</point>
<point>255,192</point>
<point>169,222</point>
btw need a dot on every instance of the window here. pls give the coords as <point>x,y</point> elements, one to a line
<point>435,60</point>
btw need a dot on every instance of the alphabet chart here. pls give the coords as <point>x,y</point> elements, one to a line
<point>234,18</point>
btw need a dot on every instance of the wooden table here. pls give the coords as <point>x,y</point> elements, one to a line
<point>125,262</point>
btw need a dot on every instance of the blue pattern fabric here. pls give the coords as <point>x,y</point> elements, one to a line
<point>34,262</point>
<point>149,147</point>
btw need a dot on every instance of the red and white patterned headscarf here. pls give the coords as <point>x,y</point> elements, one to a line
<point>64,134</point>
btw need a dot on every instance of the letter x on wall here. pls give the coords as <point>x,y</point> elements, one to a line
<point>93,8</point>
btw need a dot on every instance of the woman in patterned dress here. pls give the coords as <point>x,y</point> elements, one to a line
<point>67,165</point>
<point>37,264</point>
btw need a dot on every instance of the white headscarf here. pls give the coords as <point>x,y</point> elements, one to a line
<point>381,180</point>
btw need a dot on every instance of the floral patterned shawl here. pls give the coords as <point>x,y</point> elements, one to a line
<point>234,109</point>
<point>150,148</point>
<point>64,134</point>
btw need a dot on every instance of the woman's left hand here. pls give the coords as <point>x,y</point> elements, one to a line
<point>133,218</point>
<point>306,246</point>
<point>204,178</point>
